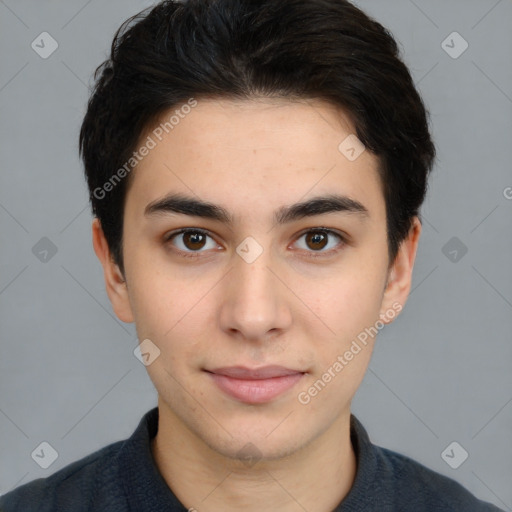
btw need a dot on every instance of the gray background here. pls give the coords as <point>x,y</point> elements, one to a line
<point>440,373</point>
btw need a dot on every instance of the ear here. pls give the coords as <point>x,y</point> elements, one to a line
<point>115,283</point>
<point>400,275</point>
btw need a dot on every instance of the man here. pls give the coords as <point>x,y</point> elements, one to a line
<point>256,171</point>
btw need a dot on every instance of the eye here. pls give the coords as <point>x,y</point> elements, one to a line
<point>318,239</point>
<point>318,242</point>
<point>191,241</point>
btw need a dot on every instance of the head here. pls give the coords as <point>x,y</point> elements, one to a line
<point>289,138</point>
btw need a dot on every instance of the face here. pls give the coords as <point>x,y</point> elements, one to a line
<point>276,274</point>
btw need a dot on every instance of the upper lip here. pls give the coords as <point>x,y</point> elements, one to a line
<point>264,372</point>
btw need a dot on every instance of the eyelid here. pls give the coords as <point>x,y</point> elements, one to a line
<point>180,231</point>
<point>319,254</point>
<point>330,231</point>
<point>190,254</point>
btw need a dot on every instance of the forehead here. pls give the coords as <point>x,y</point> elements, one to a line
<point>247,151</point>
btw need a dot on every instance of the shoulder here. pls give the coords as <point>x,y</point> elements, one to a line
<point>416,487</point>
<point>388,481</point>
<point>73,487</point>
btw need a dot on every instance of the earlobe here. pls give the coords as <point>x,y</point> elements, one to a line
<point>115,284</point>
<point>400,274</point>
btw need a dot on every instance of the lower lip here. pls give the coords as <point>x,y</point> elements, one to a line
<point>255,391</point>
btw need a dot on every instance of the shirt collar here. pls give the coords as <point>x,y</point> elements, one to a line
<point>142,482</point>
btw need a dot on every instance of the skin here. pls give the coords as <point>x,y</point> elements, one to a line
<point>253,157</point>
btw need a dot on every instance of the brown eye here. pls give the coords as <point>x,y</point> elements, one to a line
<point>316,240</point>
<point>321,241</point>
<point>191,240</point>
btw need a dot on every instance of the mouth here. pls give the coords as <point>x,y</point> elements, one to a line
<point>255,386</point>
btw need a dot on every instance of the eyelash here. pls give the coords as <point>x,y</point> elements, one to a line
<point>310,254</point>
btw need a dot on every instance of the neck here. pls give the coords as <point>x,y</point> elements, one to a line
<point>315,477</point>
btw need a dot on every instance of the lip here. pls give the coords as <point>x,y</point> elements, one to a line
<point>255,386</point>
<point>264,372</point>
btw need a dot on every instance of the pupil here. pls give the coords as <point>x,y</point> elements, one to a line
<point>318,238</point>
<point>196,240</point>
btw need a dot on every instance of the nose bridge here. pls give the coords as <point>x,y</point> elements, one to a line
<point>254,303</point>
<point>254,279</point>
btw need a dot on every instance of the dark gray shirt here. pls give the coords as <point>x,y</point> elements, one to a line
<point>123,477</point>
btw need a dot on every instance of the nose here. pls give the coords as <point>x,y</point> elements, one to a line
<point>256,305</point>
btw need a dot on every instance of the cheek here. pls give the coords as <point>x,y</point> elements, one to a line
<point>349,306</point>
<point>157,291</point>
<point>173,311</point>
<point>349,298</point>
<point>342,354</point>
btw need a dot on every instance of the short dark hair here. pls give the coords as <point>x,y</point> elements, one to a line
<point>241,49</point>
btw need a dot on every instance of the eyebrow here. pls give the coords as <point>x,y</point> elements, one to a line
<point>185,205</point>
